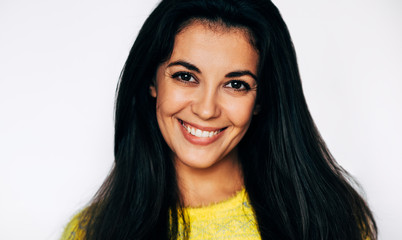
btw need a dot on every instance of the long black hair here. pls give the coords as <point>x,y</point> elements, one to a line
<point>295,186</point>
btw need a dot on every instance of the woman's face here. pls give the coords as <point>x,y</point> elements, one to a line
<point>205,94</point>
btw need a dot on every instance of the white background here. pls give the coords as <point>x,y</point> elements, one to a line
<point>60,62</point>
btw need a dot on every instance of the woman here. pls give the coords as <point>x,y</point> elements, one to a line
<point>213,137</point>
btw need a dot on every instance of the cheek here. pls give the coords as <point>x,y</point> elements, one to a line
<point>170,100</point>
<point>240,111</point>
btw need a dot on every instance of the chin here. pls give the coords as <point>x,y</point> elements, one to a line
<point>198,161</point>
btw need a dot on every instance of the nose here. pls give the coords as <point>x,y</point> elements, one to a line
<point>206,105</point>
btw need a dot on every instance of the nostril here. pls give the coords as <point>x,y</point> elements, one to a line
<point>206,109</point>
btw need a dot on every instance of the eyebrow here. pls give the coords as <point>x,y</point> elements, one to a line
<point>192,67</point>
<point>241,73</point>
<point>185,64</point>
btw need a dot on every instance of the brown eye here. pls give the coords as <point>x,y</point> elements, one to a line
<point>238,85</point>
<point>184,76</point>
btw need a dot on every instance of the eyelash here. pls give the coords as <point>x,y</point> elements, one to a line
<point>179,76</point>
<point>245,86</point>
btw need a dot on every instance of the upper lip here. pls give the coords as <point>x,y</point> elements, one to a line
<point>209,129</point>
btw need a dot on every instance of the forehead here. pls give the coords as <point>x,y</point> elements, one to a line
<point>216,45</point>
<point>218,26</point>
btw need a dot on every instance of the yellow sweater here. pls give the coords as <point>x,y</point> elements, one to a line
<point>231,219</point>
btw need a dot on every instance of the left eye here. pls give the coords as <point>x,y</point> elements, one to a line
<point>238,85</point>
<point>184,76</point>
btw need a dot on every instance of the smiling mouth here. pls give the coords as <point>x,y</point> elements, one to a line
<point>199,132</point>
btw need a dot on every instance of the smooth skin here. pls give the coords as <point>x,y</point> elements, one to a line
<point>209,83</point>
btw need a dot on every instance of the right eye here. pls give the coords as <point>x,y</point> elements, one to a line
<point>184,77</point>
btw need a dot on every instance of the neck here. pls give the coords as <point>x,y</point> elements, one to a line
<point>201,187</point>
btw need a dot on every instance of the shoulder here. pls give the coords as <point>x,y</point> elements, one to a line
<point>75,229</point>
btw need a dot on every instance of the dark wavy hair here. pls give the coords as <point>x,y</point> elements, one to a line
<point>295,186</point>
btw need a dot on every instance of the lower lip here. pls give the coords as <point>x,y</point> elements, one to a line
<point>199,140</point>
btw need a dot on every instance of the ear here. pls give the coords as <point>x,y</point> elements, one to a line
<point>152,90</point>
<point>257,109</point>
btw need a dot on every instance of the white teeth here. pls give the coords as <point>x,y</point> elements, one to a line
<point>198,132</point>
